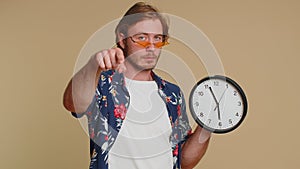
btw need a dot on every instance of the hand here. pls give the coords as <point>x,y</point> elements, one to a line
<point>110,59</point>
<point>219,114</point>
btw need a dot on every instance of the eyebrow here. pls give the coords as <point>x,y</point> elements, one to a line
<point>144,33</point>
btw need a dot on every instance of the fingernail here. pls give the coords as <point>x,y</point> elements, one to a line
<point>204,136</point>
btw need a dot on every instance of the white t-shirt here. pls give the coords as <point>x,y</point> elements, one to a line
<point>143,140</point>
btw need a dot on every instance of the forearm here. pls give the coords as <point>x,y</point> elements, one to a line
<point>194,148</point>
<point>81,89</point>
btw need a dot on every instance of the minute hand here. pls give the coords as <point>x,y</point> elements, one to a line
<point>219,116</point>
<point>220,98</point>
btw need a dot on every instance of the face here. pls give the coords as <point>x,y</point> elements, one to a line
<point>140,57</point>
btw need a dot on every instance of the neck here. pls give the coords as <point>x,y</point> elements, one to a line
<point>144,75</point>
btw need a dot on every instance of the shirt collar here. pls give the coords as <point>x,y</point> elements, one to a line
<point>120,79</point>
<point>160,83</point>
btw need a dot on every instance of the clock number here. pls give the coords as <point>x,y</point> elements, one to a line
<point>239,103</point>
<point>235,93</point>
<point>216,83</point>
<point>226,85</point>
<point>220,124</point>
<point>230,121</point>
<point>206,86</point>
<point>201,93</point>
<point>197,104</point>
<point>237,114</point>
<point>201,114</point>
<point>209,121</point>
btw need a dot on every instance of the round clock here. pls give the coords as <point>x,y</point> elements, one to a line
<point>218,104</point>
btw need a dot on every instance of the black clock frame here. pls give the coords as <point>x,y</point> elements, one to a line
<point>239,90</point>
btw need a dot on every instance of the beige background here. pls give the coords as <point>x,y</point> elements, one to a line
<point>258,42</point>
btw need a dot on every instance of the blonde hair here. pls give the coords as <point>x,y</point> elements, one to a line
<point>139,12</point>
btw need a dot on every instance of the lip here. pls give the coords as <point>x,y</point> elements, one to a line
<point>149,57</point>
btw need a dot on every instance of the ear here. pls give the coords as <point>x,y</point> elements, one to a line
<point>121,38</point>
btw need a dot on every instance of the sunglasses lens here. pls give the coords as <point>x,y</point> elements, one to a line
<point>157,44</point>
<point>144,44</point>
<point>160,44</point>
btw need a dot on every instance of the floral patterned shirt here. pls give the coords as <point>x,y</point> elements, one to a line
<point>108,110</point>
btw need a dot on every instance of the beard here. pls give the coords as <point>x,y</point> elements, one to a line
<point>140,61</point>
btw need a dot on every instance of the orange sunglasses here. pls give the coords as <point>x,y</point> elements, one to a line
<point>142,39</point>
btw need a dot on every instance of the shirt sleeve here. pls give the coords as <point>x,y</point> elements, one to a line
<point>89,109</point>
<point>92,105</point>
<point>184,121</point>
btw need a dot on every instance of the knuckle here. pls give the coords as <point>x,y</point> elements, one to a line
<point>104,53</point>
<point>98,55</point>
<point>111,52</point>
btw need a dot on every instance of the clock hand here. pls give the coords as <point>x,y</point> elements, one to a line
<point>214,96</point>
<point>220,98</point>
<point>219,114</point>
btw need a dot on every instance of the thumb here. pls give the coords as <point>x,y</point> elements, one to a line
<point>204,136</point>
<point>121,68</point>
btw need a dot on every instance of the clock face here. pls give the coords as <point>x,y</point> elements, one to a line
<point>218,104</point>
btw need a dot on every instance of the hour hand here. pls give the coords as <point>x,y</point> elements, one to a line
<point>220,99</point>
<point>213,96</point>
<point>219,114</point>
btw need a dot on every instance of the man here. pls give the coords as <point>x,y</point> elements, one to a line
<point>136,119</point>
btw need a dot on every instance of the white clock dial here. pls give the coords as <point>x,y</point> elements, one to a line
<point>218,104</point>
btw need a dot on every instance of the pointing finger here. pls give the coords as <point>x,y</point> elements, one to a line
<point>119,55</point>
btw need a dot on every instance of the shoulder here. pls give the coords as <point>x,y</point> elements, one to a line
<point>171,86</point>
<point>165,85</point>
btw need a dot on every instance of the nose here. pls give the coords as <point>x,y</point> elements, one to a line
<point>151,46</point>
